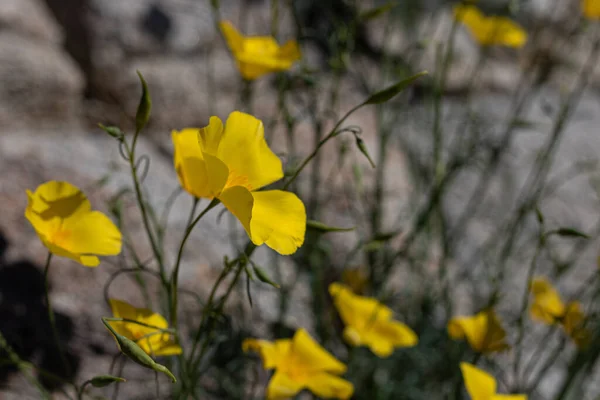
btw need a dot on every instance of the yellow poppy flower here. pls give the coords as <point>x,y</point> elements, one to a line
<point>63,219</point>
<point>369,323</point>
<point>259,55</point>
<point>482,386</point>
<point>231,164</point>
<point>548,307</point>
<point>590,8</point>
<point>149,339</point>
<point>300,363</point>
<point>490,31</point>
<point>483,331</point>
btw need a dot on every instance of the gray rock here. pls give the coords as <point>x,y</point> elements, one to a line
<point>40,84</point>
<point>30,18</point>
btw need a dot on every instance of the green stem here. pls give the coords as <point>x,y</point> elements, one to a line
<point>312,155</point>
<point>51,316</point>
<point>140,200</point>
<point>82,389</point>
<point>16,360</point>
<point>175,275</point>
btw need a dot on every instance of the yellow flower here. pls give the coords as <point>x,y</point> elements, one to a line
<point>301,363</point>
<point>482,386</point>
<point>369,323</point>
<point>591,8</point>
<point>483,331</point>
<point>63,219</point>
<point>490,31</point>
<point>149,339</point>
<point>548,307</point>
<point>231,164</point>
<point>259,55</point>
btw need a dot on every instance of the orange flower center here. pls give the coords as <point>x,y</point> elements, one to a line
<point>60,237</point>
<point>236,179</point>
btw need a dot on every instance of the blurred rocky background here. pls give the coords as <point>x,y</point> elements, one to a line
<point>66,65</point>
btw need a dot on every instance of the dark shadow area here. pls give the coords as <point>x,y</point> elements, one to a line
<point>25,325</point>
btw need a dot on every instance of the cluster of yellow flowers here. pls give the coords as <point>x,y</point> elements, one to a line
<point>495,30</point>
<point>230,163</point>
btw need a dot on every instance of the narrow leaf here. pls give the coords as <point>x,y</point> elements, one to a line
<point>390,92</point>
<point>377,11</point>
<point>570,232</point>
<point>263,277</point>
<point>321,227</point>
<point>105,380</point>
<point>112,131</point>
<point>143,112</point>
<point>363,149</point>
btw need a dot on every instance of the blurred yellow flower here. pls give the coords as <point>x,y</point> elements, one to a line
<point>369,323</point>
<point>482,386</point>
<point>591,8</point>
<point>490,31</point>
<point>259,55</point>
<point>63,219</point>
<point>483,331</point>
<point>231,164</point>
<point>151,340</point>
<point>548,307</point>
<point>301,363</point>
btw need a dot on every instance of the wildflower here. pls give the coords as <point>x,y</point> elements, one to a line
<point>482,386</point>
<point>300,363</point>
<point>150,339</point>
<point>259,55</point>
<point>591,9</point>
<point>231,164</point>
<point>548,307</point>
<point>483,331</point>
<point>63,219</point>
<point>369,323</point>
<point>490,31</point>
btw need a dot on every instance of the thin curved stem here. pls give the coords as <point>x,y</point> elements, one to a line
<point>51,316</point>
<point>175,275</point>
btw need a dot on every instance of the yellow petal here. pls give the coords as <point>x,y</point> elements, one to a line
<point>590,8</point>
<point>574,325</point>
<point>244,150</point>
<point>483,331</point>
<point>355,310</point>
<point>547,305</point>
<point>479,384</point>
<point>210,136</point>
<point>58,199</point>
<point>290,51</point>
<point>91,233</point>
<point>492,30</point>
<point>234,39</point>
<point>281,386</point>
<point>272,353</point>
<point>509,397</point>
<point>329,386</point>
<point>200,173</point>
<point>383,337</point>
<point>307,352</point>
<point>274,217</point>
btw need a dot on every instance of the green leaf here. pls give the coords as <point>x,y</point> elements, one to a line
<point>570,232</point>
<point>321,227</point>
<point>373,245</point>
<point>385,236</point>
<point>377,11</point>
<point>390,92</point>
<point>363,149</point>
<point>539,215</point>
<point>263,277</point>
<point>132,350</point>
<point>105,380</point>
<point>112,131</point>
<point>143,111</point>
